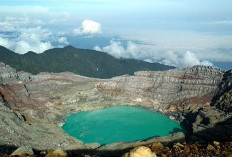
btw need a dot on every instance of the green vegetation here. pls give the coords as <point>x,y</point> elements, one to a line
<point>80,61</point>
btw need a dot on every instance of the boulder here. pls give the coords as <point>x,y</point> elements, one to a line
<point>141,151</point>
<point>23,151</point>
<point>210,148</point>
<point>216,143</point>
<point>57,153</point>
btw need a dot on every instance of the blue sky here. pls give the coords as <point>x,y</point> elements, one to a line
<point>175,32</point>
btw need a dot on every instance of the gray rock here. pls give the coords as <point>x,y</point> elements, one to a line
<point>24,150</point>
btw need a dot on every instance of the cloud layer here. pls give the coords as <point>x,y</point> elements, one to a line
<point>25,28</point>
<point>36,39</point>
<point>88,27</point>
<point>149,53</point>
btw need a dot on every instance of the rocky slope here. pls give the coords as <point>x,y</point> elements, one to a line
<point>33,107</point>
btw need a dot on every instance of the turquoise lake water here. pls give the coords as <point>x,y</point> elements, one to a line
<point>118,124</point>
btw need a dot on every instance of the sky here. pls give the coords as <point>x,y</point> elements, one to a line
<point>180,33</point>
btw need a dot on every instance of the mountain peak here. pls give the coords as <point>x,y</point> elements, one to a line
<point>69,47</point>
<point>30,53</point>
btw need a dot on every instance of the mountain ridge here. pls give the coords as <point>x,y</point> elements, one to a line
<point>84,62</point>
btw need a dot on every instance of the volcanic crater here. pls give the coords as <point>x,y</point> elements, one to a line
<point>34,107</point>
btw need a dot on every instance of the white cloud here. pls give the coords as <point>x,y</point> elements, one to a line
<point>22,11</point>
<point>29,39</point>
<point>31,16</point>
<point>88,27</point>
<point>190,59</point>
<point>149,53</point>
<point>19,30</point>
<point>33,39</point>
<point>34,34</point>
<point>205,46</point>
<point>117,50</point>
<point>38,46</point>
<point>5,42</point>
<point>6,27</point>
<point>179,40</point>
<point>185,59</point>
<point>97,48</point>
<point>225,22</point>
<point>63,40</point>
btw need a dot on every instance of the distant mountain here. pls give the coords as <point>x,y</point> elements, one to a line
<point>80,61</point>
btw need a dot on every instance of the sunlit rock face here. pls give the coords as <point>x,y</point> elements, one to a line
<point>179,87</point>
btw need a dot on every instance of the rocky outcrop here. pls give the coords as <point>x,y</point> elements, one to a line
<point>208,124</point>
<point>9,75</point>
<point>33,107</point>
<point>16,132</point>
<point>223,99</point>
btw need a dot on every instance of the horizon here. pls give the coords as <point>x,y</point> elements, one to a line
<point>213,66</point>
<point>175,33</point>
